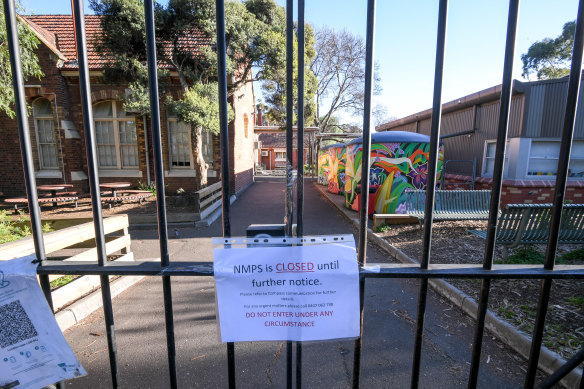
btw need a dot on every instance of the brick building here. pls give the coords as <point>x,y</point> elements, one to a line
<point>469,131</point>
<point>271,146</point>
<point>124,140</point>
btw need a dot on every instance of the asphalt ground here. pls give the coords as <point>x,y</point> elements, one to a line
<point>389,325</point>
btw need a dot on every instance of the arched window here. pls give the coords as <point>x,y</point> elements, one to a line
<point>115,130</point>
<point>46,140</point>
<point>245,125</point>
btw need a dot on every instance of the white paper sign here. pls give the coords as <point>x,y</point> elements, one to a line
<point>297,293</point>
<point>33,351</point>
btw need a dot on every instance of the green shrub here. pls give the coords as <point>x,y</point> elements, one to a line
<point>149,187</point>
<point>576,255</point>
<point>12,229</point>
<point>383,228</point>
<point>526,256</point>
<point>578,301</point>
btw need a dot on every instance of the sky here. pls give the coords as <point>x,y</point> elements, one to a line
<point>405,41</point>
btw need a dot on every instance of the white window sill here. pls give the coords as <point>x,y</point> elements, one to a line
<point>120,173</point>
<point>188,173</point>
<point>48,174</point>
<point>180,173</point>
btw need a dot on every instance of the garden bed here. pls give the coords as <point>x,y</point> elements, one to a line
<point>514,301</point>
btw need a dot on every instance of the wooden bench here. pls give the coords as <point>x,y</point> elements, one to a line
<point>16,201</point>
<point>530,224</point>
<point>126,195</point>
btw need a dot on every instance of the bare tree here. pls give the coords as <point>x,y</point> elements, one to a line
<point>339,65</point>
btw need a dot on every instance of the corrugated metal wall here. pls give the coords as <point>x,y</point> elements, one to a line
<point>544,118</point>
<point>547,105</point>
<point>467,147</point>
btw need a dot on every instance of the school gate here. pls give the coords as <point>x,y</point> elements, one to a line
<point>167,269</point>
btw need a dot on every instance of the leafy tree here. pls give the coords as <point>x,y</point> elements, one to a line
<point>339,66</point>
<point>186,34</point>
<point>274,84</point>
<point>550,58</point>
<point>30,64</point>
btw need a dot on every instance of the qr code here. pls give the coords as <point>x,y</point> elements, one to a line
<point>15,325</point>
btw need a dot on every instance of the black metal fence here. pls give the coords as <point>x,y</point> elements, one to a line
<point>167,269</point>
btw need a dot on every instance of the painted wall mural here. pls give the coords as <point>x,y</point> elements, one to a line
<point>331,167</point>
<point>399,161</point>
<point>336,177</point>
<point>323,166</point>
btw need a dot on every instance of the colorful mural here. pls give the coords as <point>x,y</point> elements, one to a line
<point>336,177</point>
<point>324,165</point>
<point>399,161</point>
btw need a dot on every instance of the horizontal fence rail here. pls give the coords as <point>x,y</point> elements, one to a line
<point>372,270</point>
<point>426,271</point>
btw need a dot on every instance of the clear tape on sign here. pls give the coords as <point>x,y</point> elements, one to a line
<point>285,241</point>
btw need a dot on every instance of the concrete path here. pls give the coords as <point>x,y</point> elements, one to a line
<point>201,358</point>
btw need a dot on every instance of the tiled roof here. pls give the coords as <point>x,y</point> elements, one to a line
<point>58,31</point>
<point>277,141</point>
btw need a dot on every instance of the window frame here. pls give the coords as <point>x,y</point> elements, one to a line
<point>280,159</point>
<point>45,118</point>
<point>191,166</point>
<point>115,119</point>
<point>553,159</point>
<point>484,171</point>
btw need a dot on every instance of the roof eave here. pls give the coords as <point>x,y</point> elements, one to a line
<point>481,97</point>
<point>51,46</point>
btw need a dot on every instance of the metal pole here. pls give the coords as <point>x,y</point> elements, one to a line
<point>559,193</point>
<point>224,131</point>
<point>159,181</point>
<point>504,111</point>
<point>289,112</point>
<point>300,161</point>
<point>25,144</point>
<point>23,129</point>
<point>289,157</point>
<point>365,156</point>
<point>430,185</point>
<point>93,178</point>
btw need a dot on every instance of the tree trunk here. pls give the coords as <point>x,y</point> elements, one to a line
<point>201,166</point>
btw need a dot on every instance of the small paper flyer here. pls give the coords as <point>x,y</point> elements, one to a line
<point>299,293</point>
<point>33,351</point>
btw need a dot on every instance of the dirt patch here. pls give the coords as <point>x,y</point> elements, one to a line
<point>514,301</point>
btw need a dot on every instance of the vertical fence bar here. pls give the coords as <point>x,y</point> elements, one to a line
<point>430,186</point>
<point>224,131</point>
<point>365,157</point>
<point>288,219</point>
<point>25,144</point>
<point>23,129</point>
<point>160,191</point>
<point>559,193</point>
<point>300,160</point>
<point>92,172</point>
<point>504,110</point>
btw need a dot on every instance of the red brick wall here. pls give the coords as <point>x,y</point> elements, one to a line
<point>523,191</point>
<point>73,150</point>
<point>270,161</point>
